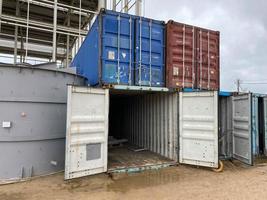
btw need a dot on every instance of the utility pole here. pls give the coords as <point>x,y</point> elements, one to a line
<point>238,85</point>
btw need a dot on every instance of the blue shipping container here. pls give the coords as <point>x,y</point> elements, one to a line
<point>108,56</point>
<point>101,58</point>
<point>149,52</point>
<point>255,125</point>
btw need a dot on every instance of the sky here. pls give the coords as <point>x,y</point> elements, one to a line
<point>243,29</point>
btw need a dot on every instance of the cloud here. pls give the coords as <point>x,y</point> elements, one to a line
<point>243,27</point>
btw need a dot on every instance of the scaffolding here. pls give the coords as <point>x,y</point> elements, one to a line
<point>51,30</point>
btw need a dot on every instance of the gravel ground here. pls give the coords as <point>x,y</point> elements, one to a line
<point>182,182</point>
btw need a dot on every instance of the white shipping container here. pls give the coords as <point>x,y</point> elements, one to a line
<point>113,130</point>
<point>225,127</point>
<point>87,131</point>
<point>148,122</point>
<point>242,135</point>
<point>198,117</point>
<point>249,127</point>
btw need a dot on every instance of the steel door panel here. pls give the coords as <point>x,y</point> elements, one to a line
<point>255,125</point>
<point>199,128</point>
<point>265,124</point>
<point>242,135</point>
<point>87,131</point>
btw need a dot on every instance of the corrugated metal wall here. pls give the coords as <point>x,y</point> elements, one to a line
<point>208,56</point>
<point>265,124</point>
<point>180,55</point>
<point>192,57</point>
<point>225,127</point>
<point>154,123</point>
<point>151,121</point>
<point>149,52</point>
<point>255,125</point>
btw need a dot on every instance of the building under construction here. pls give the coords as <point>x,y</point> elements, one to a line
<point>36,31</point>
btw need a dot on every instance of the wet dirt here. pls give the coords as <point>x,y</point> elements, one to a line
<point>238,181</point>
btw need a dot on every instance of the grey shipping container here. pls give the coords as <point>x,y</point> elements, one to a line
<point>249,139</point>
<point>225,127</point>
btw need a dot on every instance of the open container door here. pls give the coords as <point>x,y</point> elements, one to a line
<point>242,134</point>
<point>265,124</point>
<point>199,128</point>
<point>87,131</point>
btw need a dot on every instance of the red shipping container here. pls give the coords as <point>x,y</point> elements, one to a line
<point>192,57</point>
<point>180,55</point>
<point>208,57</point>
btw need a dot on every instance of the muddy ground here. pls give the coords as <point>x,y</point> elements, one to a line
<point>182,182</point>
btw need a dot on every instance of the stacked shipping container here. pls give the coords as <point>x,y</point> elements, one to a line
<point>149,52</point>
<point>208,65</point>
<point>129,50</point>
<point>123,49</point>
<point>180,56</point>
<point>192,57</point>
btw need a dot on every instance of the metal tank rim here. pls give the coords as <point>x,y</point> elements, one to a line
<point>39,67</point>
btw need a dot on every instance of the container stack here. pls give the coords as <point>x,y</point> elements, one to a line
<point>151,85</point>
<point>153,101</point>
<point>123,49</point>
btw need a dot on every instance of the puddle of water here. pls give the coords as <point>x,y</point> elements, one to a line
<point>122,182</point>
<point>118,183</point>
<point>145,179</point>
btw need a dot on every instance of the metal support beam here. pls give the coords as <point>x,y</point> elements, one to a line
<point>102,4</point>
<point>54,59</point>
<point>126,6</point>
<point>114,4</point>
<point>138,7</point>
<point>68,45</point>
<point>27,30</point>
<point>16,35</point>
<point>32,39</point>
<point>21,44</point>
<point>1,5</point>
<point>11,20</point>
<point>80,21</point>
<point>60,7</point>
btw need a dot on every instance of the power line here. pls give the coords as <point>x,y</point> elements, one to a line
<point>255,80</point>
<point>256,83</point>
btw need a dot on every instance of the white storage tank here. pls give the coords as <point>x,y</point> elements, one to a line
<point>33,120</point>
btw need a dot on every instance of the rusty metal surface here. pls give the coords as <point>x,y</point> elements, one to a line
<point>192,57</point>
<point>180,55</point>
<point>123,159</point>
<point>208,57</point>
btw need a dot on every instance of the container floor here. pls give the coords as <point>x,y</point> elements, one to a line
<point>128,158</point>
